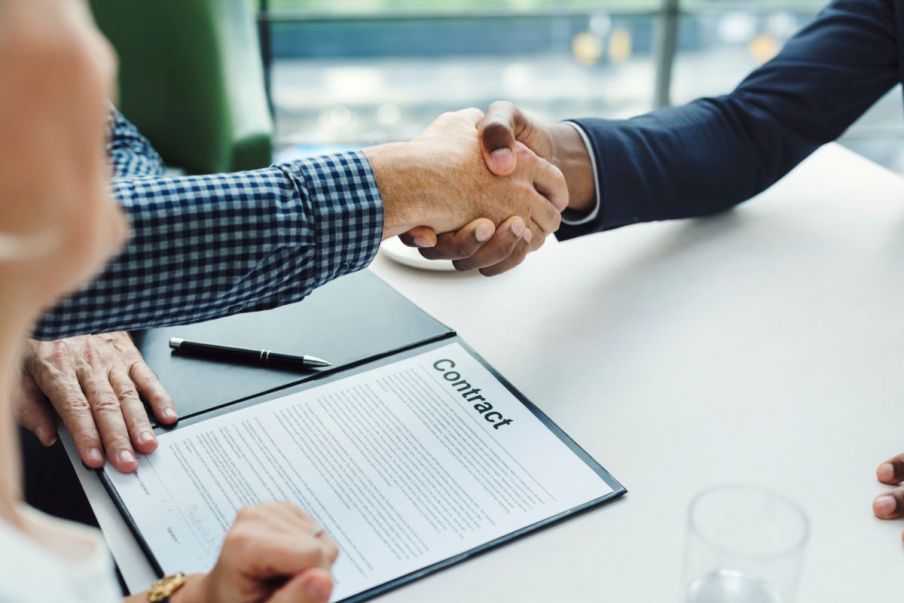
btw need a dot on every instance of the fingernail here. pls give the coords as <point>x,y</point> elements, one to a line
<point>95,456</point>
<point>484,232</point>
<point>503,159</point>
<point>169,413</point>
<point>126,457</point>
<point>145,436</point>
<point>886,472</point>
<point>885,504</point>
<point>422,241</point>
<point>518,227</point>
<point>528,235</point>
<point>44,437</point>
<point>316,591</point>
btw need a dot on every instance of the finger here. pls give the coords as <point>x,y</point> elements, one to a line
<point>550,182</point>
<point>150,388</point>
<point>498,131</point>
<point>285,514</point>
<point>470,117</point>
<point>108,418</point>
<point>280,514</point>
<point>891,471</point>
<point>516,257</point>
<point>311,586</point>
<point>497,249</point>
<point>65,394</point>
<point>272,553</point>
<point>33,412</point>
<point>419,236</point>
<point>462,243</point>
<point>889,505</point>
<point>542,211</point>
<point>133,412</point>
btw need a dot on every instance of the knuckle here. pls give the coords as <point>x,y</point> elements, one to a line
<point>77,404</point>
<point>57,354</point>
<point>237,537</point>
<point>246,514</point>
<point>124,390</point>
<point>107,405</point>
<point>90,353</point>
<point>288,504</point>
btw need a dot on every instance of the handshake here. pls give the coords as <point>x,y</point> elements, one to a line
<point>482,190</point>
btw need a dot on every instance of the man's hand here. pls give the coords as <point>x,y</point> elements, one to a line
<point>501,130</point>
<point>891,504</point>
<point>439,180</point>
<point>94,383</point>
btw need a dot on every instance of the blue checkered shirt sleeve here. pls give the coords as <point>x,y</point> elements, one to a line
<point>130,153</point>
<point>203,247</point>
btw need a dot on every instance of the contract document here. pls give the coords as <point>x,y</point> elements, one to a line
<point>410,466</point>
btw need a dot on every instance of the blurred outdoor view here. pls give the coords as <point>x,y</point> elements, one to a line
<point>352,72</point>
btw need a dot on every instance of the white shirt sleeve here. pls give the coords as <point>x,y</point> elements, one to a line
<point>573,218</point>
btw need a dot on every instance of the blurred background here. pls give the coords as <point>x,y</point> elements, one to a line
<point>351,72</point>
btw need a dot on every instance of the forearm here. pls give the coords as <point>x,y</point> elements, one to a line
<point>209,246</point>
<point>684,162</point>
<point>713,153</point>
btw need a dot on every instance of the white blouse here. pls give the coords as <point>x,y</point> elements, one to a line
<point>57,561</point>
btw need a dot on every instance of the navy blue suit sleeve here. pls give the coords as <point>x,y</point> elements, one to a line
<point>714,153</point>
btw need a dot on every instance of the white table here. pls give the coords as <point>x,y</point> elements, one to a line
<point>765,345</point>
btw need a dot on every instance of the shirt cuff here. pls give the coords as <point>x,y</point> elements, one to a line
<point>571,217</point>
<point>343,197</point>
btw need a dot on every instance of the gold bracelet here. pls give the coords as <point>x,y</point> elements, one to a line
<point>161,590</point>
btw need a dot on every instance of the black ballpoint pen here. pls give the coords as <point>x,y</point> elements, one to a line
<point>261,357</point>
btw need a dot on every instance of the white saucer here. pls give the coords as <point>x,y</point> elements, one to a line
<point>397,251</point>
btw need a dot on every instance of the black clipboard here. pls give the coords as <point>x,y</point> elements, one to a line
<point>354,367</point>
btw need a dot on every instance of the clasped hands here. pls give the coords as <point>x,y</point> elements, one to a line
<point>492,185</point>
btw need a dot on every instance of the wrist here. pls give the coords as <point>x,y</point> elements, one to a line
<point>194,590</point>
<point>397,178</point>
<point>570,155</point>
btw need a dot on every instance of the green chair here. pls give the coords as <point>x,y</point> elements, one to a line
<point>190,78</point>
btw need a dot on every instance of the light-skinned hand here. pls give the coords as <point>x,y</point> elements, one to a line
<point>95,383</point>
<point>270,554</point>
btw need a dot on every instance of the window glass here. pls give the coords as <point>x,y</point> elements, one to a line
<point>354,80</point>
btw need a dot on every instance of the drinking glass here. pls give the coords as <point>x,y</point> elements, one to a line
<point>745,544</point>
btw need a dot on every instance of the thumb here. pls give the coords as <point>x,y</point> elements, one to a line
<point>311,586</point>
<point>498,131</point>
<point>33,412</point>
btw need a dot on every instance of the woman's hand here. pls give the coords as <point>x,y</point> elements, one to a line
<point>274,552</point>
